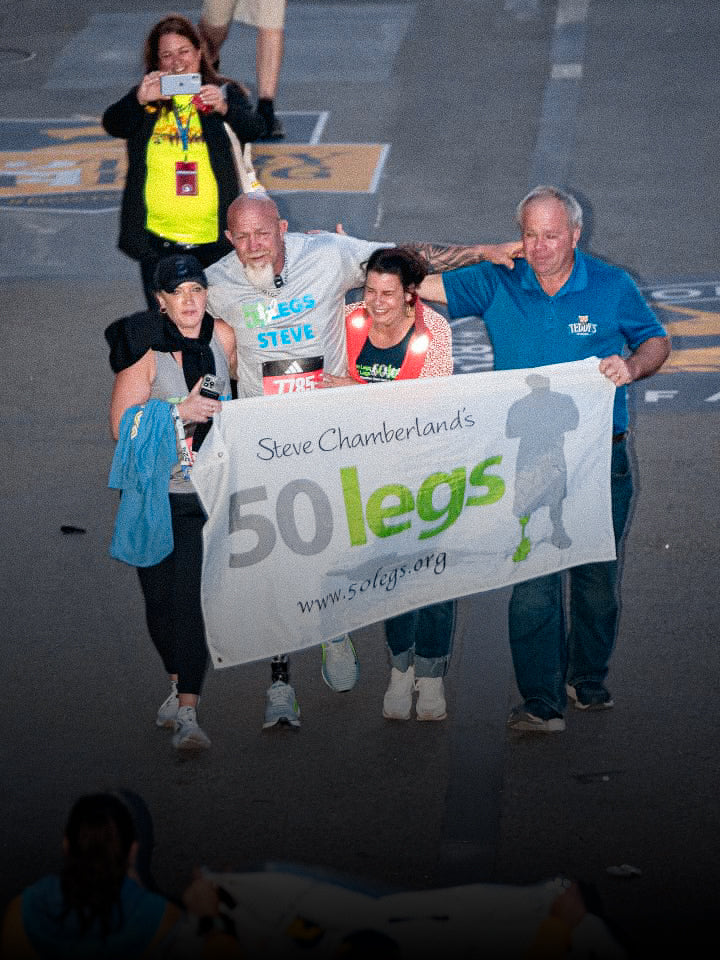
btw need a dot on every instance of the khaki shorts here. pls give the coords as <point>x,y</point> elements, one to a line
<point>268,14</point>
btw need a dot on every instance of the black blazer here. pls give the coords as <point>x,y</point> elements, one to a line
<point>130,121</point>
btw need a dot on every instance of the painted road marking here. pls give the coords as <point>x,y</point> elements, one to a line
<point>322,168</point>
<point>321,44</point>
<point>686,310</point>
<point>690,380</point>
<point>550,162</point>
<point>74,166</point>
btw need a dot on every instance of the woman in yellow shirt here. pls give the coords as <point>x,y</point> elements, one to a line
<point>181,175</point>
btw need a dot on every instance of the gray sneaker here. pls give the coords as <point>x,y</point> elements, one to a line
<point>522,719</point>
<point>281,706</point>
<point>188,735</point>
<point>168,708</point>
<point>340,669</point>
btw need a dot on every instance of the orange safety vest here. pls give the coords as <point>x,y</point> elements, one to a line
<point>357,328</point>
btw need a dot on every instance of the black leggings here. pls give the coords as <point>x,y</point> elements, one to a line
<point>172,597</point>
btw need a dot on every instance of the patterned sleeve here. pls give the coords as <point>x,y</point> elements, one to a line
<point>439,360</point>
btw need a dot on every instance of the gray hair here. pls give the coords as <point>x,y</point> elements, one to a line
<point>572,207</point>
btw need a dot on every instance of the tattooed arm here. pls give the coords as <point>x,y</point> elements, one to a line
<point>442,257</point>
<point>448,256</point>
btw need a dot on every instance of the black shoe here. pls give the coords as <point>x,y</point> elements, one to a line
<point>521,718</point>
<point>590,696</point>
<point>273,129</point>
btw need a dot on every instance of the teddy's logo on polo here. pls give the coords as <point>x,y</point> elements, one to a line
<point>583,327</point>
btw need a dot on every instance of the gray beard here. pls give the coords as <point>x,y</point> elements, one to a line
<point>262,278</point>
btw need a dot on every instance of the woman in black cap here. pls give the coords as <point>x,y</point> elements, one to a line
<point>160,360</point>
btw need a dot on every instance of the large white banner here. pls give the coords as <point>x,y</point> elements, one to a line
<point>329,510</point>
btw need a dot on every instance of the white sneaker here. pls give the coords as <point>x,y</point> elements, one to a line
<point>397,703</point>
<point>281,705</point>
<point>340,669</point>
<point>168,708</point>
<point>431,699</point>
<point>188,735</point>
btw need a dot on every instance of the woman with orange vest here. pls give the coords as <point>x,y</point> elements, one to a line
<point>392,335</point>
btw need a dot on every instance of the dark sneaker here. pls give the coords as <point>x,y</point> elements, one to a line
<point>521,719</point>
<point>590,696</point>
<point>274,129</point>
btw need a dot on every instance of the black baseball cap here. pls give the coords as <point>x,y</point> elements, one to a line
<point>180,268</point>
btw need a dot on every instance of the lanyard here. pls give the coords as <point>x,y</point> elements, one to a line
<point>185,456</point>
<point>184,131</point>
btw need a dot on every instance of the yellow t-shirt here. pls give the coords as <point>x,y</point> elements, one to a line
<point>182,204</point>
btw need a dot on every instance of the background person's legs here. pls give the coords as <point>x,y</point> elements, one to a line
<point>268,60</point>
<point>268,17</point>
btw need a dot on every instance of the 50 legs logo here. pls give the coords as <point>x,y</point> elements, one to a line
<point>385,512</point>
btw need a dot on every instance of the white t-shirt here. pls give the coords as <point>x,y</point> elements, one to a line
<point>302,319</point>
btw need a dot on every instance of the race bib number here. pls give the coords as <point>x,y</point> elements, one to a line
<point>292,375</point>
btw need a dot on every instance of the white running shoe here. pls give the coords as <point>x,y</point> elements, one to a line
<point>397,703</point>
<point>188,735</point>
<point>340,668</point>
<point>281,705</point>
<point>168,708</point>
<point>431,699</point>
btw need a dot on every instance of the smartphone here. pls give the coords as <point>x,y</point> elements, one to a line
<point>177,84</point>
<point>211,386</point>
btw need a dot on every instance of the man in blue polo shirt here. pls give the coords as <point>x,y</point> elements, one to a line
<point>559,304</point>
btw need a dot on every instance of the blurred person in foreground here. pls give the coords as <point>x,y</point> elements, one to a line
<point>96,905</point>
<point>392,335</point>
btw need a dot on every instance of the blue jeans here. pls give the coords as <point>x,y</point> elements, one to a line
<point>422,638</point>
<point>546,655</point>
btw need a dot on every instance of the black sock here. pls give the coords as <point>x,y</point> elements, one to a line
<point>266,109</point>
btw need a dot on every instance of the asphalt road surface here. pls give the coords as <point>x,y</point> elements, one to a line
<point>469,103</point>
